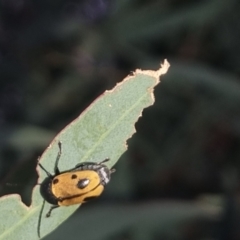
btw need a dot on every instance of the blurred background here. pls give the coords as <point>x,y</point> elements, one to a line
<point>179,179</point>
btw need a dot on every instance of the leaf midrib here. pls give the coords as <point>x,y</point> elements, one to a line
<point>29,214</point>
<point>104,135</point>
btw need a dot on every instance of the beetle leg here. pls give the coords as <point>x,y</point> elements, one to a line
<point>56,169</point>
<point>105,160</point>
<point>112,170</point>
<point>41,166</point>
<point>50,210</point>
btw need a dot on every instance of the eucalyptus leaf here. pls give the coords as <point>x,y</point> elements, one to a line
<point>100,132</point>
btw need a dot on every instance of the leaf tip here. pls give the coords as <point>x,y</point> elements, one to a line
<point>164,68</point>
<point>156,74</point>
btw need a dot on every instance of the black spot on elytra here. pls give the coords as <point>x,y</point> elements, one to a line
<point>83,183</point>
<point>55,181</point>
<point>74,176</point>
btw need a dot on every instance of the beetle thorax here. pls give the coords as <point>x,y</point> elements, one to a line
<point>104,174</point>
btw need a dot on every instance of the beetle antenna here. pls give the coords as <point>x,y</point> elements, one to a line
<point>46,171</point>
<point>56,169</point>
<point>40,219</point>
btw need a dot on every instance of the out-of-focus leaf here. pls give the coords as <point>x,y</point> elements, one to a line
<point>153,21</point>
<point>108,220</point>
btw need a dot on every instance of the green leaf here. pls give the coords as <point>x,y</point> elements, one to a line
<point>100,132</point>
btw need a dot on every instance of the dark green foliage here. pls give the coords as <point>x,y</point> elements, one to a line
<point>56,57</point>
